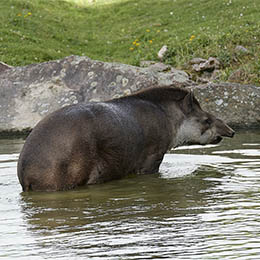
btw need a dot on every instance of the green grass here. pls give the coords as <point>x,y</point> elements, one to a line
<point>129,31</point>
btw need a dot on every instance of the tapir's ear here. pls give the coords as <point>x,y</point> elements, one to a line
<point>188,103</point>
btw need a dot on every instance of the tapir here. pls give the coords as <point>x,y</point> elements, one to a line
<point>91,143</point>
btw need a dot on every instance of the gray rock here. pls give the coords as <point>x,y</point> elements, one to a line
<point>241,49</point>
<point>170,75</point>
<point>146,63</point>
<point>162,52</point>
<point>238,105</point>
<point>29,93</point>
<point>199,64</point>
<point>4,67</point>
<point>197,61</point>
<point>160,67</point>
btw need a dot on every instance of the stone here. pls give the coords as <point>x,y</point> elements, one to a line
<point>170,75</point>
<point>200,65</point>
<point>160,67</point>
<point>241,49</point>
<point>4,67</point>
<point>162,52</point>
<point>146,63</point>
<point>238,105</point>
<point>29,93</point>
<point>197,61</point>
<point>26,91</point>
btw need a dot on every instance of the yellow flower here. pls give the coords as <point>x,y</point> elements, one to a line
<point>192,37</point>
<point>19,15</point>
<point>137,44</point>
<point>131,49</point>
<point>148,30</point>
<point>151,41</point>
<point>28,14</point>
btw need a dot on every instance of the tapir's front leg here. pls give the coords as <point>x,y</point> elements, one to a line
<point>151,164</point>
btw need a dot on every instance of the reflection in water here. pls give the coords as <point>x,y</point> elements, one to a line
<point>130,217</point>
<point>205,204</point>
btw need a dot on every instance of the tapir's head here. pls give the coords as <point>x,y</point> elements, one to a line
<point>198,126</point>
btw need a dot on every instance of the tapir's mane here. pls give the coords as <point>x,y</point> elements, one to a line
<point>162,94</point>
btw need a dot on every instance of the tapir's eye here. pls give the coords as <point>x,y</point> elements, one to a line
<point>207,121</point>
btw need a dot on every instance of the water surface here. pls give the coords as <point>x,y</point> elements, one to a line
<point>205,204</point>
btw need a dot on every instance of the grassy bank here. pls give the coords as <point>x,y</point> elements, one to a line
<point>129,31</point>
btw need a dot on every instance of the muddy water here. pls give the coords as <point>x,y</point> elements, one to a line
<point>205,204</point>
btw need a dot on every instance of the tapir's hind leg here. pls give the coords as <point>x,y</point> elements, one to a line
<point>64,175</point>
<point>74,173</point>
<point>38,179</point>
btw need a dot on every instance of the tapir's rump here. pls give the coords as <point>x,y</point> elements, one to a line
<point>93,143</point>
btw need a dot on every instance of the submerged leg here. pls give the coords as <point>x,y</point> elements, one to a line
<point>151,164</point>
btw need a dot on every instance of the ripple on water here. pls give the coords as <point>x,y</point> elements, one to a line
<point>204,205</point>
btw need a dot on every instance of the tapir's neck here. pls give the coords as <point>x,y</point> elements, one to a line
<point>181,135</point>
<point>186,133</point>
<point>177,125</point>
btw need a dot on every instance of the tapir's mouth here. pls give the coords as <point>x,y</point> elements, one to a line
<point>217,140</point>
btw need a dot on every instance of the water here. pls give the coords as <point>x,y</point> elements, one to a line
<point>204,205</point>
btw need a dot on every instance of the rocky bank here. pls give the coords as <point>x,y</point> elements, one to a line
<point>29,93</point>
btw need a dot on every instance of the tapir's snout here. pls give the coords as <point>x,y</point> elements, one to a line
<point>223,129</point>
<point>229,132</point>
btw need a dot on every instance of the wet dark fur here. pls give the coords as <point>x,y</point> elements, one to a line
<point>97,142</point>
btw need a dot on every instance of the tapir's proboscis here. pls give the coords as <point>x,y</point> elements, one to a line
<point>93,143</point>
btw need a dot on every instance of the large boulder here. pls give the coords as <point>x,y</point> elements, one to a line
<point>29,93</point>
<point>238,105</point>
